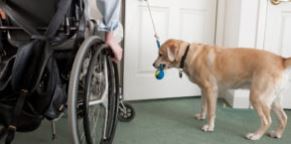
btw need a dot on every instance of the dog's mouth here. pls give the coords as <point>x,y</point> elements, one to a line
<point>161,63</point>
<point>162,66</point>
<point>158,65</point>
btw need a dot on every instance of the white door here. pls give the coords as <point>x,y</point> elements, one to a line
<point>278,36</point>
<point>190,20</point>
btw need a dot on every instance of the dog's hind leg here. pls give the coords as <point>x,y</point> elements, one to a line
<point>260,100</point>
<point>282,119</point>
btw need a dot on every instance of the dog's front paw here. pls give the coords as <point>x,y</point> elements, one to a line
<point>253,136</point>
<point>200,116</point>
<point>207,128</point>
<point>274,134</point>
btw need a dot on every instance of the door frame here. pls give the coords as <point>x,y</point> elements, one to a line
<point>227,17</point>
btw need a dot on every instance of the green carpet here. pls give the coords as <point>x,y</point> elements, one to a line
<point>171,122</point>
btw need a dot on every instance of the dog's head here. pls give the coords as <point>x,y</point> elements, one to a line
<point>169,55</point>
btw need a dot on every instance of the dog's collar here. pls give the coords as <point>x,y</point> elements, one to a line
<point>182,64</point>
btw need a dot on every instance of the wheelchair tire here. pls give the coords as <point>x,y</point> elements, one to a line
<point>114,98</point>
<point>78,96</point>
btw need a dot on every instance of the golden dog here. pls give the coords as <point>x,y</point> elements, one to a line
<point>216,69</point>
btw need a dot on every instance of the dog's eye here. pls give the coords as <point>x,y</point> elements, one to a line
<point>160,55</point>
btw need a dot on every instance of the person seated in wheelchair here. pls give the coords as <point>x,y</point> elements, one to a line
<point>33,83</point>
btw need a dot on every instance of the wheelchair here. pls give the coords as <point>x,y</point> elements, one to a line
<point>52,63</point>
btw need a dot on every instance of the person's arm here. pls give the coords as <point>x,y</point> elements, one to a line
<point>114,45</point>
<point>110,10</point>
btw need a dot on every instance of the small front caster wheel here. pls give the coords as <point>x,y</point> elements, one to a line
<point>126,112</point>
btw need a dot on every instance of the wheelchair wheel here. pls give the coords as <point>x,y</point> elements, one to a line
<point>101,98</point>
<point>126,112</point>
<point>93,94</point>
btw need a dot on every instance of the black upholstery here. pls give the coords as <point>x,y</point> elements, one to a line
<point>37,12</point>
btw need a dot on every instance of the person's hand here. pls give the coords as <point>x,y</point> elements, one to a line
<point>2,14</point>
<point>114,45</point>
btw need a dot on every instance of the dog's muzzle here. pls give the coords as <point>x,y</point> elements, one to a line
<point>159,66</point>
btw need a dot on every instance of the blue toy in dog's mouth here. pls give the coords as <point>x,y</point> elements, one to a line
<point>159,74</point>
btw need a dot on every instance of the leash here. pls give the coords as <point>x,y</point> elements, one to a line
<point>159,74</point>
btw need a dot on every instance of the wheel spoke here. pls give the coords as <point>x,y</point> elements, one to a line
<point>105,124</point>
<point>104,97</point>
<point>95,119</point>
<point>96,102</point>
<point>103,100</point>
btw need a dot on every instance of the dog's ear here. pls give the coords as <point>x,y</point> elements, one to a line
<point>172,52</point>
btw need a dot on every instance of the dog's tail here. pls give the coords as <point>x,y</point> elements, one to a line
<point>287,62</point>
